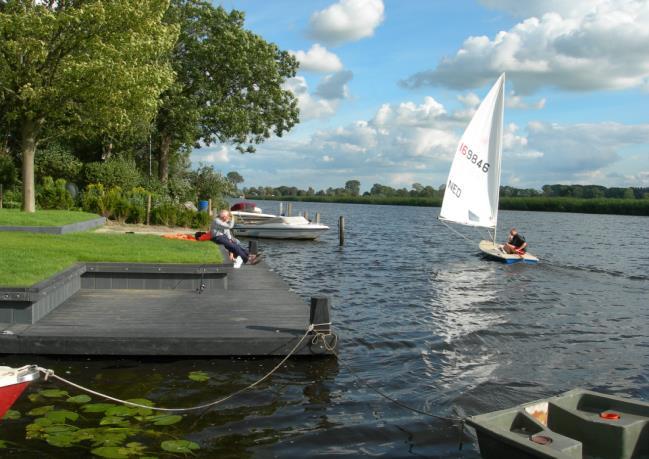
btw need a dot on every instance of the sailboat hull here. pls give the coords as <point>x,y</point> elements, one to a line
<point>496,252</point>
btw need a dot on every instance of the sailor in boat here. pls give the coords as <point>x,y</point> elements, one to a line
<point>221,232</point>
<point>516,243</point>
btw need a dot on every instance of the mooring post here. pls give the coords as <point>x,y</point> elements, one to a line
<point>148,209</point>
<point>289,209</point>
<point>281,208</point>
<point>306,215</point>
<point>317,217</point>
<point>319,314</point>
<point>341,230</point>
<point>252,247</point>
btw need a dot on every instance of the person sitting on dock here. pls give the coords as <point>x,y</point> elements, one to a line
<point>516,243</point>
<point>221,232</point>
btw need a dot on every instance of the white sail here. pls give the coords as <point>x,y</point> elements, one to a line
<point>473,185</point>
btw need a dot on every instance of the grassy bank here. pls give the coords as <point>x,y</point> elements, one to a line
<point>15,217</point>
<point>540,204</point>
<point>27,258</point>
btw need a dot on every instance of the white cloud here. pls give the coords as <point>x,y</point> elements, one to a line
<point>310,107</point>
<point>540,7</point>
<point>335,86</point>
<point>346,21</point>
<point>517,102</point>
<point>214,155</point>
<point>318,59</point>
<point>599,45</point>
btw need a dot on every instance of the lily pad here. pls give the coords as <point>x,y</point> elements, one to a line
<point>61,416</point>
<point>122,411</point>
<point>12,415</point>
<point>43,422</point>
<point>179,446</point>
<point>114,421</point>
<point>199,376</point>
<point>97,407</point>
<point>41,410</point>
<point>61,440</point>
<point>164,419</point>
<point>111,452</point>
<point>79,399</point>
<point>53,393</point>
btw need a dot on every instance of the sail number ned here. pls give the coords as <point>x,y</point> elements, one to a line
<point>473,157</point>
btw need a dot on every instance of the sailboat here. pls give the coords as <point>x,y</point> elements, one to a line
<point>473,185</point>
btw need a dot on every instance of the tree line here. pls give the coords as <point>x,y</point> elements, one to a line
<point>91,90</point>
<point>417,190</point>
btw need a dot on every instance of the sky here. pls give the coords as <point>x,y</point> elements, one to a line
<point>386,88</point>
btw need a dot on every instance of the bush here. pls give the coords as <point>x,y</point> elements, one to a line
<point>53,195</point>
<point>137,200</point>
<point>12,199</point>
<point>93,200</point>
<point>8,171</point>
<point>184,217</point>
<point>117,205</point>
<point>201,220</point>
<point>165,213</point>
<point>58,162</point>
<point>115,172</point>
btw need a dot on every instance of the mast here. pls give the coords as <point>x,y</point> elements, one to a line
<point>499,112</point>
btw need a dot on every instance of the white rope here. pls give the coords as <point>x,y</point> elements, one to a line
<point>50,374</point>
<point>472,243</point>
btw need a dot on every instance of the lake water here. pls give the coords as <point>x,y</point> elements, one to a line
<point>422,316</point>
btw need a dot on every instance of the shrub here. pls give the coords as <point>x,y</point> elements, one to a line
<point>53,195</point>
<point>116,171</point>
<point>12,198</point>
<point>165,213</point>
<point>184,217</point>
<point>117,205</point>
<point>200,220</point>
<point>137,200</point>
<point>58,162</point>
<point>8,171</point>
<point>93,199</point>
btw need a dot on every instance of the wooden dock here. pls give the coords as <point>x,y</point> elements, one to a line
<point>157,311</point>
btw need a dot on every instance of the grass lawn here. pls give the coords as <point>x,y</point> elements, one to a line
<point>16,217</point>
<point>28,258</point>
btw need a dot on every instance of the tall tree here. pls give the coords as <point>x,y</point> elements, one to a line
<point>228,87</point>
<point>353,187</point>
<point>90,67</point>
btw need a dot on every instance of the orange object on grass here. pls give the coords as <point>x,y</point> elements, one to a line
<point>181,236</point>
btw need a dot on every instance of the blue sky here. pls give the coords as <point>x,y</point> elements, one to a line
<point>386,88</point>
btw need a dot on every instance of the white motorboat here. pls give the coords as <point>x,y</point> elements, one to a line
<point>250,221</point>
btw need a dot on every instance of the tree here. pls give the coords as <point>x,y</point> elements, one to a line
<point>235,178</point>
<point>90,67</point>
<point>210,184</point>
<point>228,87</point>
<point>353,187</point>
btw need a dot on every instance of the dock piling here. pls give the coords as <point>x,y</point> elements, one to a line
<point>341,230</point>
<point>319,314</point>
<point>252,247</point>
<point>289,209</point>
<point>317,217</point>
<point>148,209</point>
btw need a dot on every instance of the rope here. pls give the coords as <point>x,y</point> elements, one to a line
<point>323,336</point>
<point>472,243</point>
<point>50,374</point>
